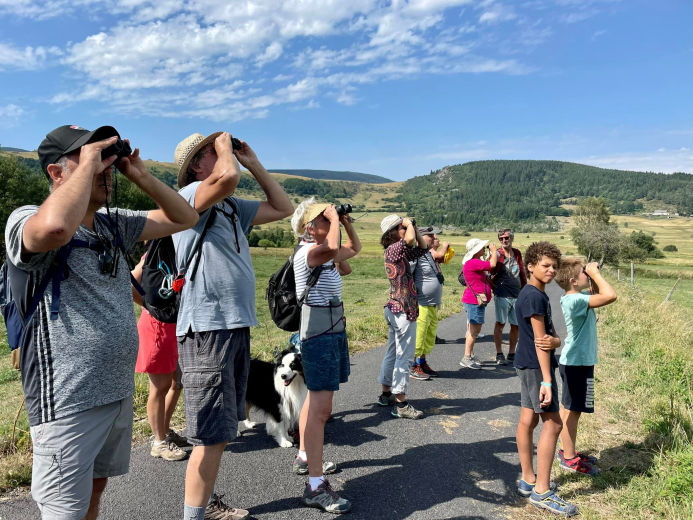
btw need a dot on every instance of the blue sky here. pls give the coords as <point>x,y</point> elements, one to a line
<point>393,88</point>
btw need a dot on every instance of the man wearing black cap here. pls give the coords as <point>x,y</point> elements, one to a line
<point>79,354</point>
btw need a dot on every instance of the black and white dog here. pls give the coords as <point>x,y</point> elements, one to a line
<point>278,390</point>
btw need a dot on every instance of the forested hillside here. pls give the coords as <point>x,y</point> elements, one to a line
<point>481,194</point>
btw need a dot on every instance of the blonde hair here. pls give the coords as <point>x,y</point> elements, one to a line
<point>297,219</point>
<point>570,267</point>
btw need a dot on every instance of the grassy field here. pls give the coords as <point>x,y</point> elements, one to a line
<point>642,428</point>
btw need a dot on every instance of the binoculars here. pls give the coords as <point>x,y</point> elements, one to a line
<point>343,209</point>
<point>119,148</point>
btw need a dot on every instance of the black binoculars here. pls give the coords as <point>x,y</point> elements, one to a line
<point>120,148</point>
<point>343,209</point>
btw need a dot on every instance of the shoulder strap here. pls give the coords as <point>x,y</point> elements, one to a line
<point>233,217</point>
<point>197,248</point>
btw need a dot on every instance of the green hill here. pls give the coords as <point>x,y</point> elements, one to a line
<point>483,194</point>
<point>327,175</point>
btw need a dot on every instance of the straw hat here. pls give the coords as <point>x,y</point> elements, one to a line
<point>390,222</point>
<point>311,213</point>
<point>186,150</point>
<point>473,247</point>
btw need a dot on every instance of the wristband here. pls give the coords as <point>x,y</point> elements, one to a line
<point>543,383</point>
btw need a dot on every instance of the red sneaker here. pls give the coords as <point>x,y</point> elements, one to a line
<point>418,373</point>
<point>428,370</point>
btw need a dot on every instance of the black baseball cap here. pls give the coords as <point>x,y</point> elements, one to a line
<point>68,138</point>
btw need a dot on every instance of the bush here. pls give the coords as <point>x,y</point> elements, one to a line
<point>561,237</point>
<point>670,248</point>
<point>266,243</point>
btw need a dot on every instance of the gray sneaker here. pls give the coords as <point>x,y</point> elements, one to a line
<point>407,412</point>
<point>500,359</point>
<point>217,510</point>
<point>386,401</point>
<point>300,467</point>
<point>470,362</point>
<point>176,439</point>
<point>326,498</point>
<point>167,451</point>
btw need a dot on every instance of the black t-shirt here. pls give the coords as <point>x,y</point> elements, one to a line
<point>507,280</point>
<point>531,301</point>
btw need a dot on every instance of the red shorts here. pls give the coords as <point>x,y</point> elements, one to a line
<point>158,353</point>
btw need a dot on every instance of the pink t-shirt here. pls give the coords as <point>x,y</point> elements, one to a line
<point>475,275</point>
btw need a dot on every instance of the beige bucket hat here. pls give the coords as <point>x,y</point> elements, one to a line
<point>390,222</point>
<point>186,150</point>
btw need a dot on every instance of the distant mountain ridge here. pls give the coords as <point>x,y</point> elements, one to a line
<point>330,175</point>
<point>10,149</point>
<point>486,194</point>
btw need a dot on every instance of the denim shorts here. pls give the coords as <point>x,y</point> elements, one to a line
<point>475,313</point>
<point>326,361</point>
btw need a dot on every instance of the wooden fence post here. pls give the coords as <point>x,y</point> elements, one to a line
<point>618,274</point>
<point>632,273</point>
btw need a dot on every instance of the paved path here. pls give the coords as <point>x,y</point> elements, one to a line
<point>459,462</point>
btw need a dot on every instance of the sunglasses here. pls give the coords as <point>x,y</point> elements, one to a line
<point>504,239</point>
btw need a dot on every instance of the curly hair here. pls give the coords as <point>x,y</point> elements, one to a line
<point>571,267</point>
<point>537,251</point>
<point>389,237</point>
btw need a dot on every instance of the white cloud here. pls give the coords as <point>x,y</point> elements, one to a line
<point>497,13</point>
<point>272,52</point>
<point>661,162</point>
<point>597,34</point>
<point>661,149</point>
<point>10,115</point>
<point>28,58</point>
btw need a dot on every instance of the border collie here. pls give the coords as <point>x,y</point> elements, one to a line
<point>278,390</point>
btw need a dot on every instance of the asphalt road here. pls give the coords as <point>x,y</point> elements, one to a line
<point>458,462</point>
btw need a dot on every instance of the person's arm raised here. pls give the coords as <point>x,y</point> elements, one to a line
<point>174,215</point>
<point>494,255</point>
<point>439,255</point>
<point>343,268</point>
<point>606,294</point>
<point>410,234</point>
<point>224,178</point>
<point>277,206</point>
<point>137,275</point>
<point>353,244</point>
<point>61,213</point>
<point>328,250</point>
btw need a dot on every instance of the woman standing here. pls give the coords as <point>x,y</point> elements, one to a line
<point>403,244</point>
<point>477,294</point>
<point>158,358</point>
<point>324,346</point>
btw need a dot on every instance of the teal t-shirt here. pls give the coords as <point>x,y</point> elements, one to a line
<point>580,347</point>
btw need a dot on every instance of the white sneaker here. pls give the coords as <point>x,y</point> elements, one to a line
<point>167,451</point>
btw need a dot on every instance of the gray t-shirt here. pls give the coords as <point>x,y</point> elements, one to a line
<point>507,280</point>
<point>222,296</point>
<point>429,289</point>
<point>85,358</point>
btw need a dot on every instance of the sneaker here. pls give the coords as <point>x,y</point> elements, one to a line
<point>468,362</point>
<point>326,498</point>
<point>301,467</point>
<point>475,361</point>
<point>578,465</point>
<point>480,336</point>
<point>407,412</point>
<point>176,439</point>
<point>386,401</point>
<point>217,510</point>
<point>553,503</point>
<point>500,359</point>
<point>589,459</point>
<point>511,357</point>
<point>525,489</point>
<point>426,368</point>
<point>417,373</point>
<point>439,341</point>
<point>167,451</point>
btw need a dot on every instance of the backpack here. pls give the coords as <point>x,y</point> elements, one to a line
<point>460,277</point>
<point>284,306</point>
<point>19,300</point>
<point>161,281</point>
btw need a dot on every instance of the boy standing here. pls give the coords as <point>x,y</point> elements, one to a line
<point>579,354</point>
<point>536,364</point>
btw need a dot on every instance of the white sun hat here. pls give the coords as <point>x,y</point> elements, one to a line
<point>473,247</point>
<point>390,222</point>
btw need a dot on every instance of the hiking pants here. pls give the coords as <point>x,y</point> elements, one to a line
<point>399,356</point>
<point>426,328</point>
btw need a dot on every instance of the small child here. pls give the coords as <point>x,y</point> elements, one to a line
<point>579,354</point>
<point>535,364</point>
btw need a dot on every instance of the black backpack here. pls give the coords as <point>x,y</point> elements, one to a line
<point>284,306</point>
<point>162,282</point>
<point>460,277</point>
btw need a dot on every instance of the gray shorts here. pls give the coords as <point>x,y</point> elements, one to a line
<point>72,451</point>
<point>215,368</point>
<point>530,383</point>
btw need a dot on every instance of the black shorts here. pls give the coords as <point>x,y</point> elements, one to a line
<point>578,388</point>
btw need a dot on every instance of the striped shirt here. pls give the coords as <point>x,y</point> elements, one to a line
<point>329,284</point>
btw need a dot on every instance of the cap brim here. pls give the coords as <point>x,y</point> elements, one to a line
<point>184,167</point>
<point>101,133</point>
